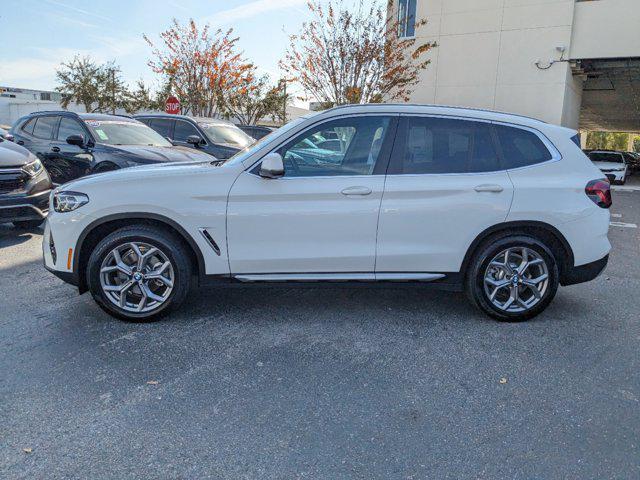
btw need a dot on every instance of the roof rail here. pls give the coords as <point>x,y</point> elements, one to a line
<point>453,107</point>
<point>57,112</point>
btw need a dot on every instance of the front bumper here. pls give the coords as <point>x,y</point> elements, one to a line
<point>584,273</point>
<point>15,208</point>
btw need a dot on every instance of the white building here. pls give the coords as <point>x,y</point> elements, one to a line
<point>570,62</point>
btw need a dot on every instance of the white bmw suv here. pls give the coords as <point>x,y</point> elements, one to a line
<point>504,207</point>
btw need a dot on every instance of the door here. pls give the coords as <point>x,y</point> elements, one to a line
<point>445,185</point>
<point>68,162</point>
<point>322,216</point>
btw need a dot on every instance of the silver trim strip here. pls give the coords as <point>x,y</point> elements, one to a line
<point>342,277</point>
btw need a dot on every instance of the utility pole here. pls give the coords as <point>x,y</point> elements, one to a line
<point>283,87</point>
<point>113,91</point>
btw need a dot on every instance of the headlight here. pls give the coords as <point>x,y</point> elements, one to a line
<point>34,168</point>
<point>68,201</point>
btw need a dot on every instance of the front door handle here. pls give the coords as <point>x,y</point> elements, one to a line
<point>489,188</point>
<point>356,191</point>
<point>55,149</point>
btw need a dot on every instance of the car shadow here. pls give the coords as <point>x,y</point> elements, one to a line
<point>10,235</point>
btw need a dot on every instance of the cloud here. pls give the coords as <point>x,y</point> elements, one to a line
<point>76,9</point>
<point>251,9</point>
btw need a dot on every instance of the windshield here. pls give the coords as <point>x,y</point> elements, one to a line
<point>248,151</point>
<point>115,132</point>
<point>606,157</point>
<point>227,134</point>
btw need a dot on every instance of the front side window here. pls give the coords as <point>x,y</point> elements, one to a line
<point>430,145</point>
<point>68,127</point>
<point>122,132</point>
<point>44,127</point>
<point>184,130</point>
<point>161,125</point>
<point>521,148</point>
<point>406,18</point>
<point>359,140</point>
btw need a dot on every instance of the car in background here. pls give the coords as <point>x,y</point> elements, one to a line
<point>633,161</point>
<point>4,133</point>
<point>505,207</point>
<point>216,137</point>
<point>72,145</point>
<point>612,164</point>
<point>24,186</point>
<point>256,131</point>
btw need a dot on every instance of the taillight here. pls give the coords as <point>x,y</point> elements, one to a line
<point>599,191</point>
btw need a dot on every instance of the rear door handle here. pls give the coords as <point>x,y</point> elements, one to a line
<point>356,191</point>
<point>55,149</point>
<point>489,188</point>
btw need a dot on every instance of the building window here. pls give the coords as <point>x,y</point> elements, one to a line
<point>45,96</point>
<point>406,18</point>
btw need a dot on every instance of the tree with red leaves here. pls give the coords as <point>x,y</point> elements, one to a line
<point>354,55</point>
<point>202,66</point>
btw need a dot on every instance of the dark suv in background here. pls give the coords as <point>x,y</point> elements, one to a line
<point>71,145</point>
<point>216,137</point>
<point>24,186</point>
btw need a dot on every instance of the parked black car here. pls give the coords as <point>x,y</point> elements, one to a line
<point>24,186</point>
<point>256,131</point>
<point>216,137</point>
<point>72,145</point>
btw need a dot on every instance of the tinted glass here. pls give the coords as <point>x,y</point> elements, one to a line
<point>162,126</point>
<point>436,145</point>
<point>606,157</point>
<point>184,130</point>
<point>521,148</point>
<point>360,141</point>
<point>28,127</point>
<point>68,127</point>
<point>123,132</point>
<point>44,127</point>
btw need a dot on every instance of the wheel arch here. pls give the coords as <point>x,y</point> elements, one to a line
<point>98,229</point>
<point>544,232</point>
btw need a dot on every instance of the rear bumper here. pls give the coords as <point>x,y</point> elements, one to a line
<point>17,208</point>
<point>584,273</point>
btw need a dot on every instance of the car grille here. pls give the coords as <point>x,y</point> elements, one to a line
<point>11,182</point>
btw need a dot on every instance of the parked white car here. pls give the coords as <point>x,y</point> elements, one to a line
<point>611,163</point>
<point>502,206</point>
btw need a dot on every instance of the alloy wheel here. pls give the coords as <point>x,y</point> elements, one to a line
<point>516,279</point>
<point>137,277</point>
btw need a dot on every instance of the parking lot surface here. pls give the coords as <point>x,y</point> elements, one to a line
<point>321,383</point>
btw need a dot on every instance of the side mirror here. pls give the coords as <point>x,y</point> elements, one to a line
<point>194,140</point>
<point>272,166</point>
<point>76,140</point>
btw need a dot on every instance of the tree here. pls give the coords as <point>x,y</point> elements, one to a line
<point>636,144</point>
<point>203,67</point>
<point>100,88</point>
<point>253,99</point>
<point>139,99</point>
<point>354,55</point>
<point>607,141</point>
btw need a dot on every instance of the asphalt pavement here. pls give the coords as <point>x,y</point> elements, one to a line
<point>282,383</point>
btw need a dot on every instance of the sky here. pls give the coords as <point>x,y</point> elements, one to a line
<point>37,35</point>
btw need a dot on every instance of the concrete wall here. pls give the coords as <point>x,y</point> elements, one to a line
<point>606,29</point>
<point>487,53</point>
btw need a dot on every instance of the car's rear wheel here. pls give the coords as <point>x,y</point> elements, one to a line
<point>139,273</point>
<point>513,278</point>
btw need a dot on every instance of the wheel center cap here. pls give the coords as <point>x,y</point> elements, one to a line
<point>515,279</point>
<point>138,276</point>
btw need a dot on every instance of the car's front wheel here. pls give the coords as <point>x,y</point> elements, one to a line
<point>139,273</point>
<point>512,278</point>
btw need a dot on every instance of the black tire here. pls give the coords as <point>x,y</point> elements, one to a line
<point>27,224</point>
<point>168,244</point>
<point>474,281</point>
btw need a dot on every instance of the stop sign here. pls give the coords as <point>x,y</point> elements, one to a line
<point>172,105</point>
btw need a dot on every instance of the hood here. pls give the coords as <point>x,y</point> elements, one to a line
<point>147,154</point>
<point>610,165</point>
<point>13,155</point>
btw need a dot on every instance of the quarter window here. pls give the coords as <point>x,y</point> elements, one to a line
<point>357,143</point>
<point>28,127</point>
<point>44,127</point>
<point>184,130</point>
<point>521,148</point>
<point>430,145</point>
<point>69,127</point>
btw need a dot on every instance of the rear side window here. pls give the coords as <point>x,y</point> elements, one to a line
<point>521,148</point>
<point>44,127</point>
<point>436,145</point>
<point>28,127</point>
